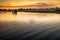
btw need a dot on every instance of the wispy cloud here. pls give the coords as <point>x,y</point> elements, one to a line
<point>44,4</point>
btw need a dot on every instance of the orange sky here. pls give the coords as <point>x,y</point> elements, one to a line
<point>29,3</point>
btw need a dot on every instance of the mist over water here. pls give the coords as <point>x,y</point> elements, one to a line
<point>29,26</point>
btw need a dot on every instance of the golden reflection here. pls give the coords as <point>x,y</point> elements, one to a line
<point>26,17</point>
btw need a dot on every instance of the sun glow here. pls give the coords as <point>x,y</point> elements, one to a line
<point>53,3</point>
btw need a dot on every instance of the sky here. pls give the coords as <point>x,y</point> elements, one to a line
<point>31,3</point>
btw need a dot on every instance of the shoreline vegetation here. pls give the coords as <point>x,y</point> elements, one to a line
<point>42,10</point>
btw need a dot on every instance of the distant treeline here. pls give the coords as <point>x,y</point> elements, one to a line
<point>33,10</point>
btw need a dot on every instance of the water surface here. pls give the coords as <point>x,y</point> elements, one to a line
<point>29,26</point>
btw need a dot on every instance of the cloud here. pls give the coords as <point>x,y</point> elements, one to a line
<point>44,4</point>
<point>1,5</point>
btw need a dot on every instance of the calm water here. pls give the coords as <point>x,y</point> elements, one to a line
<point>29,26</point>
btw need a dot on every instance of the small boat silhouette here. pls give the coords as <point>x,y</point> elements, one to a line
<point>14,12</point>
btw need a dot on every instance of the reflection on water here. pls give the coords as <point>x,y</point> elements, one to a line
<point>29,26</point>
<point>26,17</point>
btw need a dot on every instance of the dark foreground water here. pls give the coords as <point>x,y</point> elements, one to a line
<point>29,26</point>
